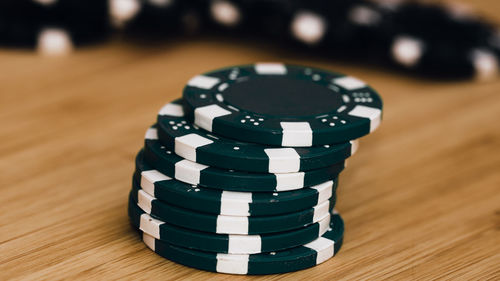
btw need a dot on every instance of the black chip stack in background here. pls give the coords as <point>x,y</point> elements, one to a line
<point>53,27</point>
<point>435,40</point>
<point>440,41</point>
<point>240,175</point>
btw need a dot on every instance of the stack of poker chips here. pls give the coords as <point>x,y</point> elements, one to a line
<point>240,175</point>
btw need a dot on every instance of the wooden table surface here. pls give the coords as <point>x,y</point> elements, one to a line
<point>421,199</point>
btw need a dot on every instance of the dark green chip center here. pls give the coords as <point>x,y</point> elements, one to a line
<point>283,96</point>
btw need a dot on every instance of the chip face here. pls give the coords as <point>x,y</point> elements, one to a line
<point>282,105</point>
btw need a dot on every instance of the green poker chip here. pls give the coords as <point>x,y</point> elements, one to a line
<point>228,243</point>
<point>293,259</point>
<point>282,105</point>
<point>195,144</point>
<point>228,224</point>
<point>172,165</point>
<point>232,203</point>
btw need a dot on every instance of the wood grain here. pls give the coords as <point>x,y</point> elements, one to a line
<point>421,199</point>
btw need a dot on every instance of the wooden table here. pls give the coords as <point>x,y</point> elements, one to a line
<point>421,199</point>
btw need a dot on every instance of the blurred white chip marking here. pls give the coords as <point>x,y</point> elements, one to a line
<point>460,11</point>
<point>203,82</point>
<point>234,264</point>
<point>225,13</point>
<point>308,27</point>
<point>270,68</point>
<point>485,63</point>
<point>349,82</point>
<point>407,50</point>
<point>45,2</point>
<point>172,109</point>
<point>149,241</point>
<point>54,41</point>
<point>161,3</point>
<point>364,15</point>
<point>123,10</point>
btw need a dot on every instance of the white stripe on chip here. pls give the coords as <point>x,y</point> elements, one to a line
<point>296,134</point>
<point>325,190</point>
<point>149,241</point>
<point>235,264</point>
<point>186,146</point>
<point>374,114</point>
<point>151,134</point>
<point>172,109</point>
<point>150,226</point>
<point>354,146</point>
<point>240,244</point>
<point>320,210</point>
<point>323,247</point>
<point>205,115</point>
<point>289,181</point>
<point>283,160</point>
<point>349,83</point>
<point>188,171</point>
<point>148,179</point>
<point>203,82</point>
<point>232,224</point>
<point>324,224</point>
<point>144,200</point>
<point>270,68</point>
<point>235,203</point>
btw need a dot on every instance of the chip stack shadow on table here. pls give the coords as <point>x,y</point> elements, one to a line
<point>240,175</point>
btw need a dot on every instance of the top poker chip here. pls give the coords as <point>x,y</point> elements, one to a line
<point>282,105</point>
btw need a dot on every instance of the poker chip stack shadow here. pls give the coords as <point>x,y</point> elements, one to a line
<point>240,175</point>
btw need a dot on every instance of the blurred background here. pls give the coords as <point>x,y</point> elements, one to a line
<point>81,80</point>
